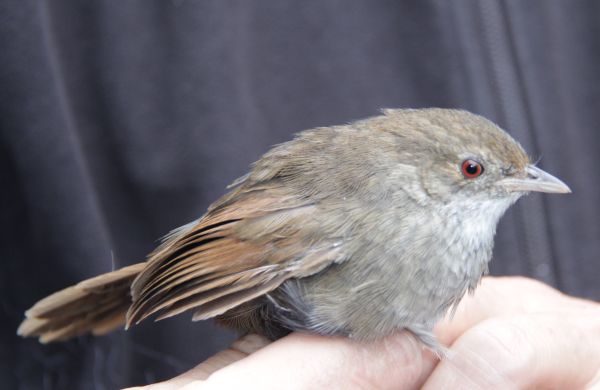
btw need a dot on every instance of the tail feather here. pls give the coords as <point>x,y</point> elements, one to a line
<point>96,305</point>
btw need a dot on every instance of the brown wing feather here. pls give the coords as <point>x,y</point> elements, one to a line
<point>245,246</point>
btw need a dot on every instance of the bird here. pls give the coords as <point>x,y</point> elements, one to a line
<point>357,230</point>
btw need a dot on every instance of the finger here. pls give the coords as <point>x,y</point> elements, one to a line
<point>495,297</point>
<point>534,351</point>
<point>501,297</point>
<point>238,350</point>
<point>308,361</point>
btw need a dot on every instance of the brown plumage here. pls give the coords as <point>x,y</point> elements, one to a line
<point>354,230</point>
<point>211,265</point>
<point>96,305</point>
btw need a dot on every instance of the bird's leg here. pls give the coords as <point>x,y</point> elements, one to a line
<point>429,341</point>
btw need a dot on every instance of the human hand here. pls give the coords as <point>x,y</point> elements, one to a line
<point>513,333</point>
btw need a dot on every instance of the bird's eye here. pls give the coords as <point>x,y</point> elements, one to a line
<point>471,169</point>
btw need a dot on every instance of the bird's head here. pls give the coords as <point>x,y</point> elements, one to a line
<point>464,159</point>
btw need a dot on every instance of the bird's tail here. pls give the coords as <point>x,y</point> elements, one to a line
<point>97,305</point>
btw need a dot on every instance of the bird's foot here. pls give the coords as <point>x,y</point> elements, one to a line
<point>429,341</point>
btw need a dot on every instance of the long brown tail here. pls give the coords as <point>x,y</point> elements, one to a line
<point>97,305</point>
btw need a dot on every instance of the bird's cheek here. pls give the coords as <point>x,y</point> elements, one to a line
<point>440,185</point>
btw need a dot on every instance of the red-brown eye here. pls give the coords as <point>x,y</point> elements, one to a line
<point>471,169</point>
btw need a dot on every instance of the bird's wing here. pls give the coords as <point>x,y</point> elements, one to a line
<point>245,246</point>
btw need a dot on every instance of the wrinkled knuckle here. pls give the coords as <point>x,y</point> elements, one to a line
<point>505,344</point>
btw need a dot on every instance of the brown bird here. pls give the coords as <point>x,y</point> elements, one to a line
<point>357,230</point>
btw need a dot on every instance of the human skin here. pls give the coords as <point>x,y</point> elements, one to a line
<point>513,332</point>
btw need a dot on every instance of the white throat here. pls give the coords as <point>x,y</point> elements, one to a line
<point>475,219</point>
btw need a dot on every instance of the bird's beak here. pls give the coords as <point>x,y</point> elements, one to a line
<point>535,180</point>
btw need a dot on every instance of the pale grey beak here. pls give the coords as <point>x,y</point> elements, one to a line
<point>536,180</point>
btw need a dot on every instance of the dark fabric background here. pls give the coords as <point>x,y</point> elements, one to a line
<point>120,120</point>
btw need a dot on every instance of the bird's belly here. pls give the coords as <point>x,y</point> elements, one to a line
<point>331,304</point>
<point>367,297</point>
